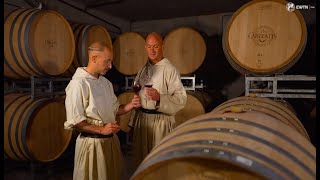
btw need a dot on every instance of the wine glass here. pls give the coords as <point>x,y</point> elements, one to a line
<point>136,86</point>
<point>148,81</point>
<point>148,77</point>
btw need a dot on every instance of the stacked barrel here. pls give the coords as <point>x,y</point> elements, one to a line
<point>37,43</point>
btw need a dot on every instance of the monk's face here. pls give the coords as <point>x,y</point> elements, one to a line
<point>104,61</point>
<point>154,48</point>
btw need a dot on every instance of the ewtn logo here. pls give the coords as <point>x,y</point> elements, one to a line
<point>291,6</point>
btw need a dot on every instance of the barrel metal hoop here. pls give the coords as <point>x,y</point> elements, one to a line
<point>20,46</point>
<point>27,45</point>
<point>25,123</point>
<point>11,41</point>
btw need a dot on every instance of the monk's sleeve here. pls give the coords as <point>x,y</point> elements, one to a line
<point>74,103</point>
<point>176,98</point>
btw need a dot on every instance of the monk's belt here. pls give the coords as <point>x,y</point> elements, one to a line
<point>90,135</point>
<point>150,111</point>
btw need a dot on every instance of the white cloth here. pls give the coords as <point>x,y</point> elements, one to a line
<point>93,99</point>
<point>149,129</point>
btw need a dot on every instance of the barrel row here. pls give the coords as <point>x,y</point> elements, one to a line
<point>33,47</point>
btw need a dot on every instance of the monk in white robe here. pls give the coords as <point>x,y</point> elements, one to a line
<point>155,119</point>
<point>91,108</point>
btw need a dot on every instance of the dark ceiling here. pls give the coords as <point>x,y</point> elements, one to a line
<point>142,10</point>
<point>139,10</point>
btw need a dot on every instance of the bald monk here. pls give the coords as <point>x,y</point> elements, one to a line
<point>91,107</point>
<point>155,119</point>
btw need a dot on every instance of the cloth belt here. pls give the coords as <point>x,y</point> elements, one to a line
<point>150,111</point>
<point>86,134</point>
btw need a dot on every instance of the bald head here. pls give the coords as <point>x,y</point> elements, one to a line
<point>156,36</point>
<point>154,47</point>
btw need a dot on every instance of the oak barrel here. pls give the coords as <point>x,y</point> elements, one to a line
<point>33,129</point>
<point>197,102</point>
<point>129,53</point>
<point>185,48</point>
<point>279,110</point>
<point>231,145</point>
<point>263,38</point>
<point>36,43</point>
<point>123,120</point>
<point>85,35</point>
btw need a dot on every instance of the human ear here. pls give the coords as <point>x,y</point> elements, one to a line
<point>94,59</point>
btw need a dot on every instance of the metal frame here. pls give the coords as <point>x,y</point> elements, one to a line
<point>273,90</point>
<point>193,87</point>
<point>38,86</point>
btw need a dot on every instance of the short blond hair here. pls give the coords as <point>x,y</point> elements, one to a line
<point>99,46</point>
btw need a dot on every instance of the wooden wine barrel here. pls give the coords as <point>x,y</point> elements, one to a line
<point>185,48</point>
<point>229,145</point>
<point>129,53</point>
<point>287,104</point>
<point>197,102</point>
<point>123,120</point>
<point>275,109</point>
<point>263,38</point>
<point>36,43</point>
<point>33,129</point>
<point>6,12</point>
<point>85,35</point>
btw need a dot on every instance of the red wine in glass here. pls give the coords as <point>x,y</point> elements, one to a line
<point>148,85</point>
<point>136,86</point>
<point>148,82</point>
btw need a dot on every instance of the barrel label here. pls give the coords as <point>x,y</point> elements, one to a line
<point>50,43</point>
<point>262,36</point>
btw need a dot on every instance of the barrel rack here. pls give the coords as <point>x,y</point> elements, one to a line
<point>270,86</point>
<point>189,83</point>
<point>38,86</point>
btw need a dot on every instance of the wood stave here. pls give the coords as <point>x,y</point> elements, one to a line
<point>270,107</point>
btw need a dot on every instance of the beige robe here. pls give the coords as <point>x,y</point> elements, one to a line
<point>93,100</point>
<point>149,129</point>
